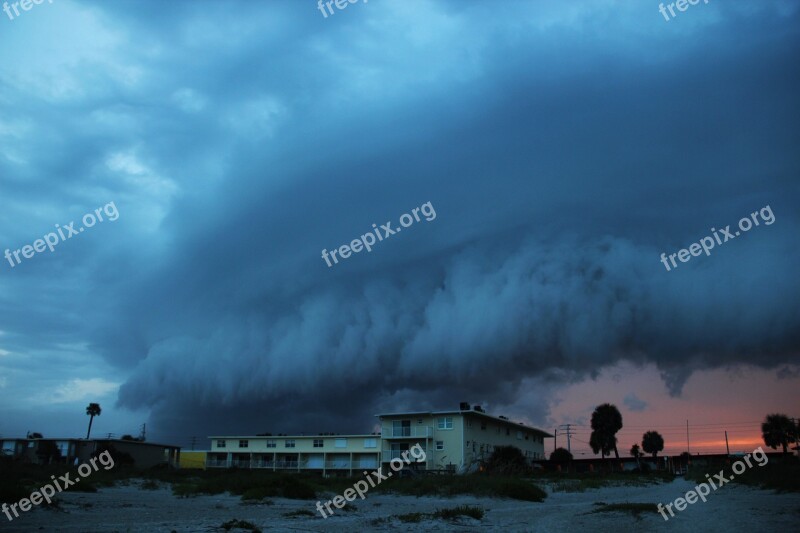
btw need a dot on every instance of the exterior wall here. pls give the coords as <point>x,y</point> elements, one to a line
<point>74,451</point>
<point>463,447</point>
<point>352,454</point>
<point>193,460</point>
<point>480,443</point>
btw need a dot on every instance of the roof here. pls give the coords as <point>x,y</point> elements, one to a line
<point>469,412</point>
<point>74,439</point>
<point>291,436</point>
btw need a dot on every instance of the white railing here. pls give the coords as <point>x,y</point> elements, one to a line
<point>410,432</point>
<point>388,455</point>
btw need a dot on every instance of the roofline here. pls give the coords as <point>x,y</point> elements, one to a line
<point>469,412</point>
<point>77,439</point>
<point>289,436</point>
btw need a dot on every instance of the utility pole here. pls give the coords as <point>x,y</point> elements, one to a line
<point>193,441</point>
<point>687,437</point>
<point>569,435</point>
<point>143,433</point>
<point>727,448</point>
<point>555,439</point>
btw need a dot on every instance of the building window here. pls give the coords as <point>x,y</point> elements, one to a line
<point>519,435</point>
<point>318,443</point>
<point>483,426</point>
<point>289,443</point>
<point>271,444</point>
<point>508,431</point>
<point>243,444</point>
<point>340,443</point>
<point>445,422</point>
<point>439,445</point>
<point>370,443</point>
<point>220,443</point>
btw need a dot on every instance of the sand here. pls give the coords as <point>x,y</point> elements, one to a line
<point>732,508</point>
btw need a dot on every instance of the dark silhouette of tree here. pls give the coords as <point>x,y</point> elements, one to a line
<point>35,435</point>
<point>93,410</point>
<point>561,455</point>
<point>507,460</point>
<point>606,422</point>
<point>636,452</point>
<point>778,430</point>
<point>652,443</point>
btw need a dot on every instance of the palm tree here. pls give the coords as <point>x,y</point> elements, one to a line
<point>636,452</point>
<point>93,410</point>
<point>652,442</point>
<point>606,421</point>
<point>778,430</point>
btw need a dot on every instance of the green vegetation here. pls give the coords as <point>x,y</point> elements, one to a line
<point>779,474</point>
<point>476,484</point>
<point>444,514</point>
<point>636,509</point>
<point>240,524</point>
<point>462,510</point>
<point>150,484</point>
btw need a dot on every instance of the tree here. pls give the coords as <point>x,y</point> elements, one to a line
<point>561,455</point>
<point>92,410</point>
<point>507,460</point>
<point>652,442</point>
<point>636,452</point>
<point>35,435</point>
<point>606,422</point>
<point>778,430</point>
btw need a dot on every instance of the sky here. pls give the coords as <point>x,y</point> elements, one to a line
<point>214,155</point>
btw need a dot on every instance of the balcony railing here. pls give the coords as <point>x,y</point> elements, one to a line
<point>263,464</point>
<point>410,432</point>
<point>388,455</point>
<point>286,464</point>
<point>216,463</point>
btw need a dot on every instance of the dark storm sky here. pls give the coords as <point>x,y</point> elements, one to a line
<point>563,145</point>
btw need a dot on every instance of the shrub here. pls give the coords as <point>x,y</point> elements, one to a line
<point>507,460</point>
<point>462,510</point>
<point>519,489</point>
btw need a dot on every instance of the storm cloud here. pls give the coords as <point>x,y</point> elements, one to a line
<point>564,148</point>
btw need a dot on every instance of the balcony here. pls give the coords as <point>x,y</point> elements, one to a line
<point>409,432</point>
<point>388,455</point>
<point>263,464</point>
<point>285,464</point>
<point>216,463</point>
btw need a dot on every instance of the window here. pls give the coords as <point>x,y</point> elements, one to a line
<point>340,443</point>
<point>370,443</point>
<point>318,443</point>
<point>401,428</point>
<point>220,443</point>
<point>439,445</point>
<point>243,444</point>
<point>271,443</point>
<point>508,431</point>
<point>445,422</point>
<point>483,426</point>
<point>289,443</point>
<point>519,435</point>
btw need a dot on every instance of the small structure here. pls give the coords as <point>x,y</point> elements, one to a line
<point>75,451</point>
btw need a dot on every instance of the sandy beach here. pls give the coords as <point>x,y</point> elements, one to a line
<point>130,509</point>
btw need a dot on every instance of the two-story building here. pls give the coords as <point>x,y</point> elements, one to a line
<point>456,440</point>
<point>453,440</point>
<point>326,454</point>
